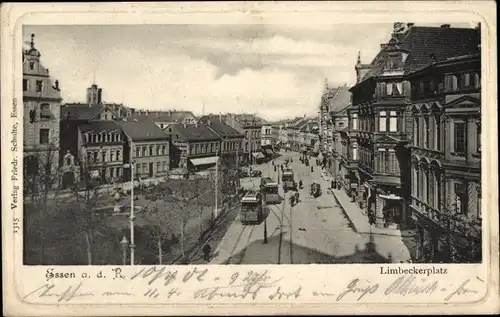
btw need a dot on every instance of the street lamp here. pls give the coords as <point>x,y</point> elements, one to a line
<point>124,244</point>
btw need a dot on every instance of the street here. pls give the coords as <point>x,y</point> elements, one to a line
<point>315,230</point>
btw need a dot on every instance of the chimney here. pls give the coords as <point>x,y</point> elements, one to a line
<point>445,26</point>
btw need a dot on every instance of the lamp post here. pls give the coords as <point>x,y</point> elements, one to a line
<point>265,221</point>
<point>124,244</point>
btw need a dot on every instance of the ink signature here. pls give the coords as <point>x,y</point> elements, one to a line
<point>50,290</point>
<point>461,290</point>
<point>354,288</point>
<point>249,287</point>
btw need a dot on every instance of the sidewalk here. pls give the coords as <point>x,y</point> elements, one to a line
<point>358,218</point>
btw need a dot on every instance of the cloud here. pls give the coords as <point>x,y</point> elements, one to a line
<point>272,70</point>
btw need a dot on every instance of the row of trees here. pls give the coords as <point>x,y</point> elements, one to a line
<point>79,221</point>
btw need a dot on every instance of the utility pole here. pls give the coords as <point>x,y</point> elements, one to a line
<point>132,215</point>
<point>216,184</point>
<point>265,221</point>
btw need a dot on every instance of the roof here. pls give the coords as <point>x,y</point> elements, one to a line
<point>340,100</point>
<point>99,126</point>
<point>222,129</point>
<point>426,45</point>
<point>142,131</point>
<point>165,116</point>
<point>80,111</point>
<point>194,132</point>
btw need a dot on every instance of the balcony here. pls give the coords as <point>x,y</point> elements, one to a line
<point>469,227</point>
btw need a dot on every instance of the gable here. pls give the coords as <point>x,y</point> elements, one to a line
<point>465,101</point>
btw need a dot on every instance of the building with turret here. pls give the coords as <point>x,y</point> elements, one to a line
<point>41,102</point>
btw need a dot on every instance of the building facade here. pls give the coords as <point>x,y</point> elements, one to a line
<point>41,103</point>
<point>147,147</point>
<point>101,150</point>
<point>338,121</point>
<point>446,159</point>
<point>231,140</point>
<point>195,147</point>
<point>267,135</point>
<point>379,120</point>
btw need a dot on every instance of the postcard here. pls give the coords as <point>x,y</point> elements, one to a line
<point>249,158</point>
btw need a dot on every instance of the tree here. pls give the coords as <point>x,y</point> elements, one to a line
<point>41,180</point>
<point>160,219</point>
<point>183,196</point>
<point>89,194</point>
<point>459,226</point>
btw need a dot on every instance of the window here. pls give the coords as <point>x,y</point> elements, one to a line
<point>144,151</point>
<point>44,136</point>
<point>461,198</point>
<point>158,166</point>
<point>393,163</point>
<point>45,111</point>
<point>382,121</point>
<point>165,166</point>
<point>163,149</point>
<point>393,121</point>
<point>424,184</point>
<point>432,86</point>
<point>32,65</point>
<point>466,79</point>
<point>432,188</point>
<point>381,160</point>
<point>354,152</point>
<point>341,124</point>
<point>138,168</point>
<point>158,150</point>
<point>211,147</point>
<point>478,189</point>
<point>477,81</point>
<point>137,151</point>
<point>95,156</point>
<point>25,84</point>
<point>437,133</point>
<point>196,148</point>
<point>103,154</point>
<point>118,155</point>
<point>89,157</point>
<point>354,121</point>
<point>39,86</point>
<point>161,125</point>
<point>454,83</point>
<point>414,176</point>
<point>144,167</point>
<point>421,87</point>
<point>151,151</point>
<point>425,132</point>
<point>459,138</point>
<point>111,156</point>
<point>478,141</point>
<point>388,88</point>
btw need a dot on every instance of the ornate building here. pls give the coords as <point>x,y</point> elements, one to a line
<point>41,101</point>
<point>379,120</point>
<point>446,159</point>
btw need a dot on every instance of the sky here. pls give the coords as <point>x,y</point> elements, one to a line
<point>274,71</point>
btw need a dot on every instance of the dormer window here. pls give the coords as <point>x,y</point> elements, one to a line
<point>32,65</point>
<point>25,84</point>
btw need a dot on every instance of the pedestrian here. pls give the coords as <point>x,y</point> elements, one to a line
<point>206,252</point>
<point>332,184</point>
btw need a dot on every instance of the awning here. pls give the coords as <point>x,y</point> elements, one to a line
<point>390,197</point>
<point>204,160</point>
<point>258,155</point>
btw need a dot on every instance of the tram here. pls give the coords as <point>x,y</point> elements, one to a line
<point>251,208</point>
<point>269,190</point>
<point>288,180</point>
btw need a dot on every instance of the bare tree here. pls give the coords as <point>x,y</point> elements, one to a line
<point>42,177</point>
<point>182,195</point>
<point>160,219</point>
<point>89,193</point>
